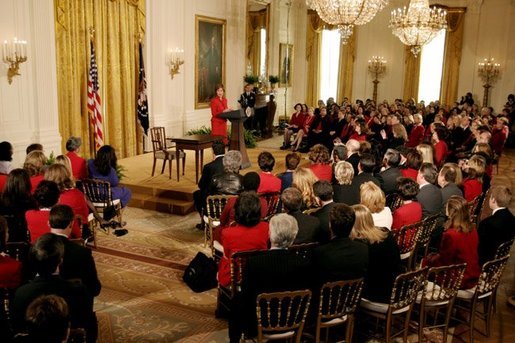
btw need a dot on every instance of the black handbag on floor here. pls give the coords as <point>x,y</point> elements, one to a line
<point>200,275</point>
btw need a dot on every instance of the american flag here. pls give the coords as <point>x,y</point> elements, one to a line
<point>141,102</point>
<point>94,101</point>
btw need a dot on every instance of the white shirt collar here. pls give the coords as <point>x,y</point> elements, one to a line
<point>497,209</point>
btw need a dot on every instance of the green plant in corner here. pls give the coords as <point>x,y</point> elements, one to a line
<point>251,79</point>
<point>120,172</point>
<point>50,160</point>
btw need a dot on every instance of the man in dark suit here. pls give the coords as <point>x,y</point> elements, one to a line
<point>391,173</point>
<point>324,196</point>
<point>247,102</point>
<point>499,227</point>
<point>275,270</point>
<point>447,182</point>
<point>211,169</point>
<point>353,154</point>
<point>429,195</point>
<point>78,263</point>
<point>309,226</point>
<point>46,255</point>
<point>366,167</point>
<point>341,258</point>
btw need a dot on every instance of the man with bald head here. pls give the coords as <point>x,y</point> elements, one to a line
<point>353,154</point>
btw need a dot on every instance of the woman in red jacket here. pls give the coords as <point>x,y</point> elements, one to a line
<point>10,269</point>
<point>441,151</point>
<point>218,106</point>
<point>459,242</point>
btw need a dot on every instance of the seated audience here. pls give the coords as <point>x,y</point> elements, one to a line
<point>275,270</point>
<point>304,130</point>
<point>303,180</point>
<point>320,162</point>
<point>353,157</point>
<point>10,269</point>
<point>441,150</point>
<point>372,197</point>
<point>79,169</point>
<point>459,242</point>
<point>366,168</point>
<point>344,174</point>
<point>35,166</point>
<point>429,195</point>
<point>294,125</point>
<point>46,256</point>
<point>324,197</point>
<point>229,182</point>
<point>391,172</point>
<point>384,260</point>
<point>413,163</point>
<point>473,183</point>
<point>66,162</point>
<point>103,167</point>
<point>249,233</point>
<point>497,228</point>
<point>447,181</point>
<point>269,182</point>
<point>410,211</point>
<point>416,135</point>
<point>341,258</point>
<point>292,162</point>
<point>309,226</point>
<point>33,147</point>
<point>77,261</point>
<point>426,151</point>
<point>46,194</point>
<point>6,157</point>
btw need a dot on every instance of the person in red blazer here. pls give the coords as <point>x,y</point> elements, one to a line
<point>248,233</point>
<point>34,165</point>
<point>441,151</point>
<point>320,162</point>
<point>416,135</point>
<point>79,168</point>
<point>269,183</point>
<point>410,211</point>
<point>218,106</point>
<point>10,269</point>
<point>459,242</point>
<point>46,195</point>
<point>413,163</point>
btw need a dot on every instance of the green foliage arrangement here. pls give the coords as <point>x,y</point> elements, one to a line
<point>120,172</point>
<point>252,79</point>
<point>50,160</point>
<point>203,130</point>
<point>273,79</point>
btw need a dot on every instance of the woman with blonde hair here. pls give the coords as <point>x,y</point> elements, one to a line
<point>303,180</point>
<point>344,173</point>
<point>374,199</point>
<point>426,151</point>
<point>35,166</point>
<point>459,242</point>
<point>383,255</point>
<point>65,161</point>
<point>473,184</point>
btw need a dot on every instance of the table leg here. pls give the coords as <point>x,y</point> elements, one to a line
<point>177,157</point>
<point>202,159</point>
<point>196,164</point>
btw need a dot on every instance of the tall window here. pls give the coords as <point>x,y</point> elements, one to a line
<point>431,67</point>
<point>262,53</point>
<point>329,63</point>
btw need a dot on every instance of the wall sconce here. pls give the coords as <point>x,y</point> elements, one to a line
<point>376,67</point>
<point>14,53</point>
<point>175,60</point>
<point>489,72</point>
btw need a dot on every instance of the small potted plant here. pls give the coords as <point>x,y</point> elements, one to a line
<point>251,79</point>
<point>274,79</point>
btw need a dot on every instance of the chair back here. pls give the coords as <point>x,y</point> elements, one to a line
<point>282,314</point>
<point>17,227</point>
<point>303,250</point>
<point>272,203</point>
<point>425,233</point>
<point>339,298</point>
<point>503,249</point>
<point>97,191</point>
<point>239,268</point>
<point>393,201</point>
<point>158,137</point>
<point>490,276</point>
<point>485,210</point>
<point>406,238</point>
<point>406,288</point>
<point>215,206</point>
<point>474,207</point>
<point>18,250</point>
<point>445,283</point>
<point>6,296</point>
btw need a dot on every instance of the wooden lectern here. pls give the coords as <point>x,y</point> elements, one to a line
<point>237,141</point>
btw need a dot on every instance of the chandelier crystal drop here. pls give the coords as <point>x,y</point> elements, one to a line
<point>418,24</point>
<point>345,14</point>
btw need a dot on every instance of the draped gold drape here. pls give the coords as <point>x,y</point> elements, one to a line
<point>411,74</point>
<point>452,57</point>
<point>346,68</point>
<point>313,45</point>
<point>117,24</point>
<point>255,22</point>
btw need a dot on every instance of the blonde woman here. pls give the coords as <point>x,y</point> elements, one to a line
<point>65,161</point>
<point>303,180</point>
<point>35,167</point>
<point>373,197</point>
<point>426,151</point>
<point>383,255</point>
<point>344,173</point>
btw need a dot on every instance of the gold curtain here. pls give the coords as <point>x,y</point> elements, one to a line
<point>452,57</point>
<point>117,25</point>
<point>255,22</point>
<point>411,74</point>
<point>346,68</point>
<point>313,46</point>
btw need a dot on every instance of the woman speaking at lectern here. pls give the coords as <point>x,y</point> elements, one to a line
<point>218,106</point>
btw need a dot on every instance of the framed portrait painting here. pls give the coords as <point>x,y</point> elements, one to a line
<point>285,64</point>
<point>209,58</point>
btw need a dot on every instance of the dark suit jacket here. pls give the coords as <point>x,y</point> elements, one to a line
<point>340,259</point>
<point>389,179</point>
<point>357,181</point>
<point>309,227</point>
<point>343,194</point>
<point>323,216</point>
<point>430,198</point>
<point>286,179</point>
<point>449,190</point>
<point>354,160</point>
<point>78,263</point>
<point>493,231</point>
<point>79,301</point>
<point>211,169</point>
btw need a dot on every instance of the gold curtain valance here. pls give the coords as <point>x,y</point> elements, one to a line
<point>256,21</point>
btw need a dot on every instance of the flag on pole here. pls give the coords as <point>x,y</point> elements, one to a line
<point>142,104</point>
<point>94,101</point>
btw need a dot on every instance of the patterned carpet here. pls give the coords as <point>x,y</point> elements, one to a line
<point>143,298</point>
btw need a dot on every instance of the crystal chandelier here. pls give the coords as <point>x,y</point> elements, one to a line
<point>346,13</point>
<point>418,24</point>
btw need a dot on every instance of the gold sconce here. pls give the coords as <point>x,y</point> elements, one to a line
<point>14,53</point>
<point>376,67</point>
<point>175,60</point>
<point>489,72</point>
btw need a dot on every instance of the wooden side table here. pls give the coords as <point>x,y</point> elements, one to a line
<point>193,142</point>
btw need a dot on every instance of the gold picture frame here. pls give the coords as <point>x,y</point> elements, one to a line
<point>285,64</point>
<point>209,58</point>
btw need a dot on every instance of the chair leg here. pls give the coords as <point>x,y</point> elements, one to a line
<point>183,164</point>
<point>170,170</point>
<point>154,166</point>
<point>471,321</point>
<point>421,323</point>
<point>163,169</point>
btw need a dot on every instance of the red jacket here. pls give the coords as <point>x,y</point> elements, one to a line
<point>297,119</point>
<point>416,136</point>
<point>79,169</point>
<point>269,183</point>
<point>440,152</point>
<point>471,188</point>
<point>34,182</point>
<point>409,172</point>
<point>407,214</point>
<point>10,272</point>
<point>76,200</point>
<point>37,223</point>
<point>322,171</point>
